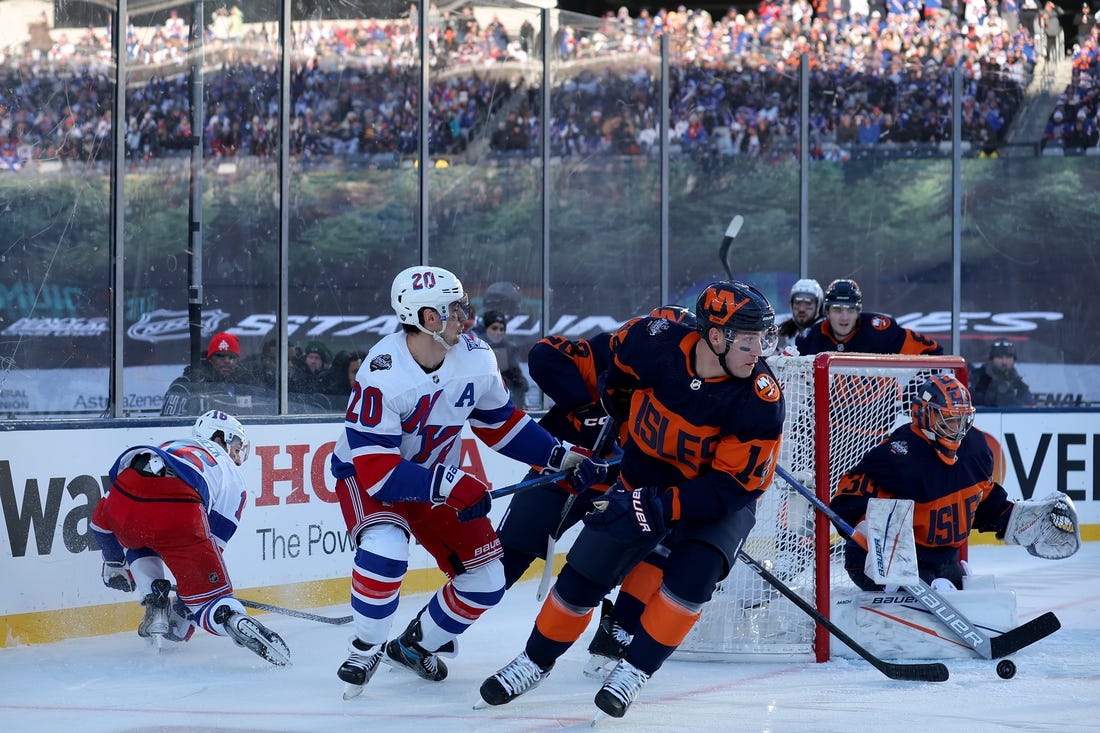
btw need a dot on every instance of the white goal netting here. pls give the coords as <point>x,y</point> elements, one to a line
<point>838,407</point>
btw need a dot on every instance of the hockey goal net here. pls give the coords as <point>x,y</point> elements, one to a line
<point>838,407</point>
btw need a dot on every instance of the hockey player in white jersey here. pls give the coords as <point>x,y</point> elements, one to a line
<point>396,465</point>
<point>178,505</point>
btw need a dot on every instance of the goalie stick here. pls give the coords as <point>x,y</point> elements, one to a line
<point>732,230</point>
<point>984,645</point>
<point>915,672</point>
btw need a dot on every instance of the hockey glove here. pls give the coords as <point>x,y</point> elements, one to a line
<point>1047,527</point>
<point>586,468</point>
<point>116,575</point>
<point>617,404</point>
<point>589,419</point>
<point>464,493</point>
<point>628,516</point>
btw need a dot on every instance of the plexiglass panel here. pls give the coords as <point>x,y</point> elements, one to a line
<point>202,226</point>
<point>605,173</point>
<point>56,106</point>
<point>531,173</point>
<point>353,208</point>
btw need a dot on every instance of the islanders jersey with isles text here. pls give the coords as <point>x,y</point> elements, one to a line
<point>949,501</point>
<point>714,441</point>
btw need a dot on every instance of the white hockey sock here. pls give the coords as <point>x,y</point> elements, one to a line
<point>459,603</point>
<point>381,563</point>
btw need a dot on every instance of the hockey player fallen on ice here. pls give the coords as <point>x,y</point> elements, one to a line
<point>945,467</point>
<point>178,505</point>
<point>703,417</point>
<point>397,476</point>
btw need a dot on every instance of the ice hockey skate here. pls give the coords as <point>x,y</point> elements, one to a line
<point>180,624</point>
<point>620,689</point>
<point>512,680</point>
<point>607,646</point>
<point>362,662</point>
<point>156,622</point>
<point>405,651</point>
<point>251,634</point>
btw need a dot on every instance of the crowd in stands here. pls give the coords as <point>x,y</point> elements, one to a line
<point>879,75</point>
<point>1074,124</point>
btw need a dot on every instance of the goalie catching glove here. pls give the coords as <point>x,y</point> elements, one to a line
<point>466,494</point>
<point>1047,527</point>
<point>586,468</point>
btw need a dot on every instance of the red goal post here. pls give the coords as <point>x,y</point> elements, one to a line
<point>838,407</point>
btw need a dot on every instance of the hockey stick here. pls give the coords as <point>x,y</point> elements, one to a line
<point>540,480</point>
<point>603,442</point>
<point>334,620</point>
<point>984,645</point>
<point>917,672</point>
<point>732,231</point>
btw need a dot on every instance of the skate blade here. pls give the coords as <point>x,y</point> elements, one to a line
<point>600,715</point>
<point>352,691</point>
<point>481,705</point>
<point>598,667</point>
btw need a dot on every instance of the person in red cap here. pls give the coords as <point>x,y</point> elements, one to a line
<point>213,383</point>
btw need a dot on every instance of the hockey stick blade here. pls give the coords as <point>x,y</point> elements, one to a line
<point>732,230</point>
<point>910,672</point>
<point>334,620</point>
<point>1024,635</point>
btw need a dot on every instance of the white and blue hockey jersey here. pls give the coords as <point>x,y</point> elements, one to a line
<point>206,467</point>
<point>402,421</point>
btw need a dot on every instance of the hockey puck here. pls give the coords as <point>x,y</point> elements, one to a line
<point>1006,669</point>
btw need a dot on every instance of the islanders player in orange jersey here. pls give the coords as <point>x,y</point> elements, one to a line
<point>847,328</point>
<point>567,371</point>
<point>947,470</point>
<point>703,419</point>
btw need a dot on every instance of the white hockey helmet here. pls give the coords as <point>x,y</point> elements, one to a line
<point>427,287</point>
<point>808,287</point>
<point>215,422</point>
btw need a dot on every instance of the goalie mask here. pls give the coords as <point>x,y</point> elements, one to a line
<point>428,287</point>
<point>942,413</point>
<point>216,423</point>
<point>676,314</point>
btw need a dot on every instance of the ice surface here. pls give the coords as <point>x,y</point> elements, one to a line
<point>119,684</point>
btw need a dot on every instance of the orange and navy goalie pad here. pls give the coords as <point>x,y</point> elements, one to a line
<point>567,372</point>
<point>875,333</point>
<point>949,501</point>
<point>713,442</point>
